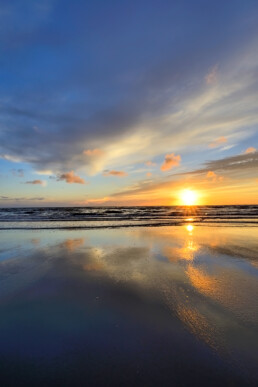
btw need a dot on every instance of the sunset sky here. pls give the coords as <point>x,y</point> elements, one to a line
<point>128,102</point>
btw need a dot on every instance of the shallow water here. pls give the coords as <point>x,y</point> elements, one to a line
<point>129,306</point>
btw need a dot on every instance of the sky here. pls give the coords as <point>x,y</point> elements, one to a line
<point>128,102</point>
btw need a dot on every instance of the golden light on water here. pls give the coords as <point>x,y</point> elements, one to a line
<point>188,197</point>
<point>189,228</point>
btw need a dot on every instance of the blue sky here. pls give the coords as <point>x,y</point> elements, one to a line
<point>91,91</point>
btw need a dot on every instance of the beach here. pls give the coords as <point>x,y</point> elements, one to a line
<point>129,193</point>
<point>146,306</point>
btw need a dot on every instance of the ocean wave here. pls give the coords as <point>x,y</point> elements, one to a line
<point>90,217</point>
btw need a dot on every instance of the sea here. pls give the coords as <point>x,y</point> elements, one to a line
<point>102,217</point>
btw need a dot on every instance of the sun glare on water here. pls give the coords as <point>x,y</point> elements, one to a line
<point>188,197</point>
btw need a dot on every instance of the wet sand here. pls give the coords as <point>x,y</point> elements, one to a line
<point>167,306</point>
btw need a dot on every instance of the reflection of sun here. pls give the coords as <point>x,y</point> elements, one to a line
<point>189,228</point>
<point>188,197</point>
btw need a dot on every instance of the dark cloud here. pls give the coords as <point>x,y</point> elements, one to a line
<point>244,164</point>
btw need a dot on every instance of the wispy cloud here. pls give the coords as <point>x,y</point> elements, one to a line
<point>93,152</point>
<point>36,182</point>
<point>14,159</point>
<point>218,142</point>
<point>211,77</point>
<point>150,164</point>
<point>115,173</point>
<point>244,165</point>
<point>171,161</point>
<point>18,199</point>
<point>44,172</point>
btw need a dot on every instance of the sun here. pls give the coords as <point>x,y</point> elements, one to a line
<point>188,197</point>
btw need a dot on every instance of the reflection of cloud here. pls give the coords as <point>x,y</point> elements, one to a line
<point>186,252</point>
<point>73,244</point>
<point>70,178</point>
<point>236,249</point>
<point>93,266</point>
<point>35,241</point>
<point>210,297</point>
<point>198,324</point>
<point>227,287</point>
<point>171,160</point>
<point>203,282</point>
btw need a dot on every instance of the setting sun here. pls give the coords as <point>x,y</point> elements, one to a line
<point>188,197</point>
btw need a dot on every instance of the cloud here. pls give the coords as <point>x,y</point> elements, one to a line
<point>251,149</point>
<point>36,182</point>
<point>115,173</point>
<point>218,142</point>
<point>7,198</point>
<point>14,159</point>
<point>214,177</point>
<point>240,166</point>
<point>148,174</point>
<point>211,174</point>
<point>132,112</point>
<point>150,164</point>
<point>171,161</point>
<point>18,172</point>
<point>211,77</point>
<point>47,172</point>
<point>93,152</point>
<point>95,201</point>
<point>227,147</point>
<point>71,178</point>
<point>239,162</point>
